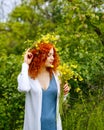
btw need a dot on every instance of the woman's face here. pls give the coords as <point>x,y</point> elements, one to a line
<point>50,58</point>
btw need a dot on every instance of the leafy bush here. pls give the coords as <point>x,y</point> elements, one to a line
<point>86,114</point>
<point>11,101</point>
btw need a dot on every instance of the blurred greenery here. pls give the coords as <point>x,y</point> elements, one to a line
<point>79,24</point>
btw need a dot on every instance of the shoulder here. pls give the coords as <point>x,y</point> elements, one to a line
<point>57,75</point>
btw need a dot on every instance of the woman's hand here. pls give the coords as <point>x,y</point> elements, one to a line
<point>28,57</point>
<point>66,88</point>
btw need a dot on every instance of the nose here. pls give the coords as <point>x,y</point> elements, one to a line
<point>52,57</point>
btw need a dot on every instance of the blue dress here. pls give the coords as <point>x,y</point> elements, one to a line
<point>48,115</point>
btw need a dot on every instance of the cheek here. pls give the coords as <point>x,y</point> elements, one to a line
<point>47,61</point>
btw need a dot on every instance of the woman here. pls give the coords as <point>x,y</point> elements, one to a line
<point>39,80</point>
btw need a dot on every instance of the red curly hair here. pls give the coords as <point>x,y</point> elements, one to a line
<point>39,58</point>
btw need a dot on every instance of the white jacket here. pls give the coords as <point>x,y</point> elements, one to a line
<point>33,101</point>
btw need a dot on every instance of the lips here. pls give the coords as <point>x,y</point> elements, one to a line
<point>51,63</point>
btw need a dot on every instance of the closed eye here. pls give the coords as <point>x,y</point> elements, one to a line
<point>50,54</point>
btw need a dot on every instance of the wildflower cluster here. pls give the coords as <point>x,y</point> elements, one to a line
<point>66,73</point>
<point>48,38</point>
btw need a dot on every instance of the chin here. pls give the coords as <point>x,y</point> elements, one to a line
<point>50,66</point>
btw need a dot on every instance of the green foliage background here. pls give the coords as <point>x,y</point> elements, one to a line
<point>80,27</point>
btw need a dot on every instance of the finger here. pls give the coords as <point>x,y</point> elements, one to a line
<point>66,92</point>
<point>65,86</point>
<point>27,50</point>
<point>29,55</point>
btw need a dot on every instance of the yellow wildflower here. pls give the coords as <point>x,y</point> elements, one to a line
<point>77,89</point>
<point>74,66</point>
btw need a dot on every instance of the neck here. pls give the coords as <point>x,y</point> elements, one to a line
<point>43,73</point>
<point>43,70</point>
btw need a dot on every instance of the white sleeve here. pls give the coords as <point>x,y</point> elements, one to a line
<point>23,79</point>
